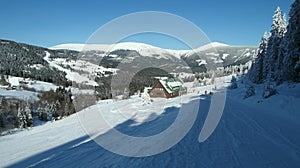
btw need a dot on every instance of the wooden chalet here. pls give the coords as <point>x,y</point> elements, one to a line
<point>168,88</point>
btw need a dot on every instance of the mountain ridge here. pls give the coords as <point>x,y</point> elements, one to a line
<point>209,55</point>
<point>126,45</point>
<point>214,49</point>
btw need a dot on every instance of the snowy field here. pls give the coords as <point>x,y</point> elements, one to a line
<point>254,132</point>
<point>24,94</point>
<point>19,94</point>
<point>87,70</point>
<point>37,85</point>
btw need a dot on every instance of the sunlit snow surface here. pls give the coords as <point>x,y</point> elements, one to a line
<point>143,49</point>
<point>254,132</point>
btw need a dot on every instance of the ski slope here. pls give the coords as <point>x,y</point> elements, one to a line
<point>251,133</point>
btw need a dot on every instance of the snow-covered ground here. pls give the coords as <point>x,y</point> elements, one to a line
<point>254,132</point>
<point>19,94</point>
<point>42,86</point>
<point>77,91</point>
<point>37,85</point>
<point>24,94</point>
<point>81,72</point>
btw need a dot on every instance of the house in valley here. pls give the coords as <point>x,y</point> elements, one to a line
<point>168,88</point>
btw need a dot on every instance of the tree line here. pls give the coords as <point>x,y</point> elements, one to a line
<point>278,58</point>
<point>52,105</point>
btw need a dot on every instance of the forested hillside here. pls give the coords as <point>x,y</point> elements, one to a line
<point>27,61</point>
<point>279,51</point>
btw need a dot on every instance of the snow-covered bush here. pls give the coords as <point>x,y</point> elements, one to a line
<point>233,79</point>
<point>196,83</point>
<point>269,90</point>
<point>126,93</point>
<point>250,91</point>
<point>233,84</point>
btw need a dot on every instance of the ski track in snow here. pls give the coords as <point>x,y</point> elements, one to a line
<point>247,136</point>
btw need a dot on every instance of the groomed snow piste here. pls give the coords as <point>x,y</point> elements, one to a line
<point>254,132</point>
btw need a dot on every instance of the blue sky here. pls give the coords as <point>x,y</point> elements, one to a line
<point>48,23</point>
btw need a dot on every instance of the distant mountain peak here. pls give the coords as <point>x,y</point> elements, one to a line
<point>211,45</point>
<point>102,47</point>
<point>123,45</point>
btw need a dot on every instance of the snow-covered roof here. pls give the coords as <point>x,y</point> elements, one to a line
<point>172,84</point>
<point>164,84</point>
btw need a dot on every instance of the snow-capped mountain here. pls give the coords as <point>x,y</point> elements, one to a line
<point>220,56</point>
<point>65,63</point>
<point>141,48</point>
<point>212,54</point>
<point>206,47</point>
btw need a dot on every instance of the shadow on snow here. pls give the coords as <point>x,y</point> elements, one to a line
<point>234,143</point>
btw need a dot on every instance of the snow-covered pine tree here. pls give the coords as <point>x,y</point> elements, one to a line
<point>29,119</point>
<point>57,108</point>
<point>283,26</point>
<point>255,74</point>
<point>277,33</point>
<point>212,81</point>
<point>39,112</point>
<point>146,97</point>
<point>126,93</point>
<point>47,112</point>
<point>291,62</point>
<point>242,68</point>
<point>278,77</point>
<point>139,93</point>
<point>66,109</point>
<point>22,118</point>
